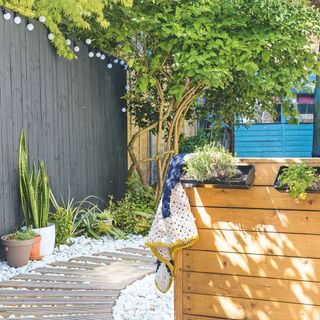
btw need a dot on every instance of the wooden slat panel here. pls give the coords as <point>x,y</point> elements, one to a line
<point>252,265</point>
<point>247,309</point>
<point>267,169</point>
<point>280,244</point>
<point>126,256</point>
<point>189,317</point>
<point>257,220</point>
<point>256,197</point>
<point>302,292</point>
<point>57,310</point>
<point>58,293</point>
<point>178,287</point>
<point>58,302</point>
<point>58,285</point>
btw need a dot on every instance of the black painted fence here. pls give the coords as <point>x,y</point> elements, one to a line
<point>71,112</point>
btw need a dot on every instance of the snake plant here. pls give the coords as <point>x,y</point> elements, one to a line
<point>34,189</point>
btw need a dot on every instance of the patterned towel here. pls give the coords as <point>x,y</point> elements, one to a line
<point>174,227</point>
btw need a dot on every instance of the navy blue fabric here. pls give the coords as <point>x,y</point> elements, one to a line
<point>175,172</point>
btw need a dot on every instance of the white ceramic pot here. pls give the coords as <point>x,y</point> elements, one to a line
<point>48,239</point>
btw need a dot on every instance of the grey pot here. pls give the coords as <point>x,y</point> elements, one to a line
<point>17,251</point>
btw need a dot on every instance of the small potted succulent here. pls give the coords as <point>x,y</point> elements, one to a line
<point>298,179</point>
<point>212,165</point>
<point>18,247</point>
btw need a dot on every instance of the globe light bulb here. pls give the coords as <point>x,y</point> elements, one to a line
<point>7,16</point>
<point>122,62</point>
<point>68,42</point>
<point>116,60</point>
<point>50,36</point>
<point>17,20</point>
<point>91,54</point>
<point>109,65</point>
<point>127,87</point>
<point>76,48</point>
<point>88,41</point>
<point>125,67</point>
<point>123,110</point>
<point>98,54</point>
<point>102,57</point>
<point>30,26</point>
<point>42,19</point>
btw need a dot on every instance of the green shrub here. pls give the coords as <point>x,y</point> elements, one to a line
<point>202,138</point>
<point>298,178</point>
<point>81,218</point>
<point>134,213</point>
<point>19,235</point>
<point>211,161</point>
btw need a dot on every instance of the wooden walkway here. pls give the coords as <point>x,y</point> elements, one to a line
<point>83,287</point>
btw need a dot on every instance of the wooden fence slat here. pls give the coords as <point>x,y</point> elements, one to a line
<point>252,265</point>
<point>279,244</point>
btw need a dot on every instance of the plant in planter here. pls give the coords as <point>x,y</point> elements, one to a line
<point>18,247</point>
<point>298,179</point>
<point>35,198</point>
<point>213,164</point>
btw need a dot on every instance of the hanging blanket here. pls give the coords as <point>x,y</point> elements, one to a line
<point>174,227</point>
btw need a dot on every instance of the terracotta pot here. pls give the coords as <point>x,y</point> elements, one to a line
<point>35,251</point>
<point>17,251</point>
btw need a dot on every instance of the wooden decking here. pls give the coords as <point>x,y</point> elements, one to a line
<point>83,287</point>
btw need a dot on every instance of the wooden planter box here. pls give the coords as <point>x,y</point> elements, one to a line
<point>258,256</point>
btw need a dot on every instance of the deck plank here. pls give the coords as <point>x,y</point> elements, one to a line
<point>85,286</point>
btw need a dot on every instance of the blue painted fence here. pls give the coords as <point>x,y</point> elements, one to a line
<point>274,140</point>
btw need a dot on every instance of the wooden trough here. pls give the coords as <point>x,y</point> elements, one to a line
<point>258,256</point>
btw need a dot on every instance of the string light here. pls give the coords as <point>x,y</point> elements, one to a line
<point>30,26</point>
<point>91,54</point>
<point>50,36</point>
<point>123,110</point>
<point>42,19</point>
<point>76,48</point>
<point>122,62</point>
<point>68,42</point>
<point>98,54</point>
<point>16,19</point>
<point>102,57</point>
<point>109,65</point>
<point>6,15</point>
<point>116,60</point>
<point>88,41</point>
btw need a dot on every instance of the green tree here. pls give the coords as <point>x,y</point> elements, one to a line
<point>239,53</point>
<point>60,14</point>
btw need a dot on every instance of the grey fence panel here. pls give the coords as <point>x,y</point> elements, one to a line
<point>71,112</point>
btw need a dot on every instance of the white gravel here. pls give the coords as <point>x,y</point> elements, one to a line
<point>141,300</point>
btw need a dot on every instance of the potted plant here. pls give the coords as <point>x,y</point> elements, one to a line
<point>18,246</point>
<point>298,180</point>
<point>35,198</point>
<point>212,165</point>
